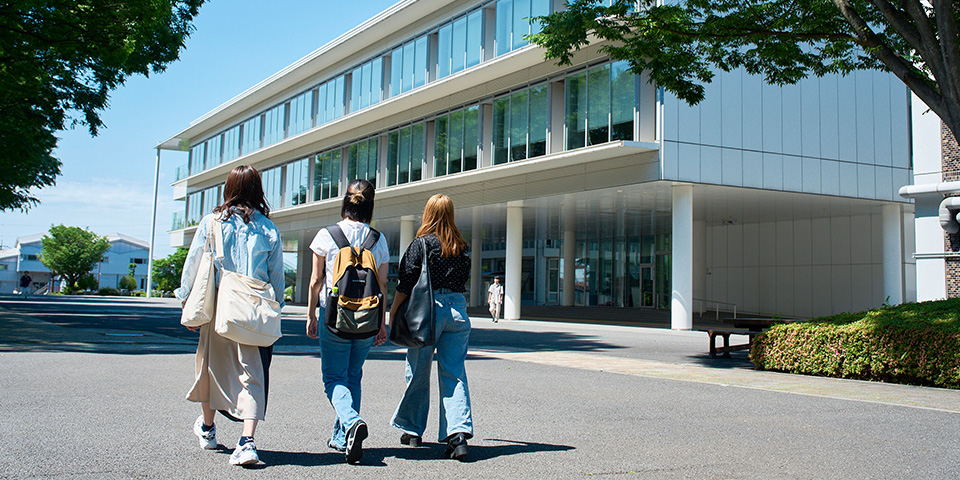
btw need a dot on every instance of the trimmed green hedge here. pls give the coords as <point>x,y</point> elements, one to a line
<point>913,343</point>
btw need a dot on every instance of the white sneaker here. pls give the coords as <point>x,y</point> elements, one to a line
<point>208,440</point>
<point>245,454</point>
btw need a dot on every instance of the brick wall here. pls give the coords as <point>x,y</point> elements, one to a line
<point>950,164</point>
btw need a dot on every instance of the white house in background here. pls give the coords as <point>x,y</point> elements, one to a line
<point>25,257</point>
<point>582,185</point>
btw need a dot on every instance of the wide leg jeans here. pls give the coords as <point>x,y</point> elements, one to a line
<point>451,352</point>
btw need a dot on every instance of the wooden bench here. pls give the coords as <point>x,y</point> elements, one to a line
<point>725,334</point>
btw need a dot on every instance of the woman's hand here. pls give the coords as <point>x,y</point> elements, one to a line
<point>381,337</point>
<point>312,323</point>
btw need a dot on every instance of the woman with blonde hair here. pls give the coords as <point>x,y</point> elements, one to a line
<point>230,377</point>
<point>449,270</point>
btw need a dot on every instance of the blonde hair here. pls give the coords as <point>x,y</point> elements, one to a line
<point>438,219</point>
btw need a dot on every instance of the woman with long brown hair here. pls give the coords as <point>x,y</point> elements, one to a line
<point>230,377</point>
<point>449,270</point>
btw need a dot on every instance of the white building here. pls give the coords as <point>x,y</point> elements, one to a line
<point>581,185</point>
<point>25,258</point>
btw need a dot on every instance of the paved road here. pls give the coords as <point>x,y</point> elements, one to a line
<point>571,401</point>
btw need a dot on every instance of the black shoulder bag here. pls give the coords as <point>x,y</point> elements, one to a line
<point>416,322</point>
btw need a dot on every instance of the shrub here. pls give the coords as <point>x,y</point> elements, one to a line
<point>88,282</point>
<point>913,343</point>
<point>108,291</point>
<point>127,283</point>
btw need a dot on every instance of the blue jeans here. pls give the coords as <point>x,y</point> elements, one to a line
<point>451,348</point>
<point>341,364</point>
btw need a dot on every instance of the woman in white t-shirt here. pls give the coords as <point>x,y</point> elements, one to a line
<point>342,359</point>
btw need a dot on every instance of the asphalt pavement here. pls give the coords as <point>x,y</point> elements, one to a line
<point>94,388</point>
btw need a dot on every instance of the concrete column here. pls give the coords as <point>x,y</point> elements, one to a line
<point>569,251</point>
<point>407,232</point>
<point>681,301</point>
<point>892,255</point>
<point>476,260</point>
<point>304,266</point>
<point>514,261</point>
<point>700,261</point>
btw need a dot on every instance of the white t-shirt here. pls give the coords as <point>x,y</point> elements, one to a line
<point>496,293</point>
<point>356,232</point>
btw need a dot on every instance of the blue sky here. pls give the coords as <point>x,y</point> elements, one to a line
<point>107,181</point>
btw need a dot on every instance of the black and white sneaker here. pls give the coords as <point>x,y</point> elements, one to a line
<point>208,439</point>
<point>355,437</point>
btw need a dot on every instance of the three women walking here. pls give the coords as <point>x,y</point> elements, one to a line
<point>348,284</point>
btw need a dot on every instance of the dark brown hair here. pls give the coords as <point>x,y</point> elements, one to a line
<point>358,201</point>
<point>243,194</point>
<point>438,219</point>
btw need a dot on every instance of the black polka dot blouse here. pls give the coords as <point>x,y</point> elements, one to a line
<point>450,273</point>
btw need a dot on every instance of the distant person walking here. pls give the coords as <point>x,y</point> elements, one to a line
<point>449,269</point>
<point>342,354</point>
<point>233,378</point>
<point>495,299</point>
<point>25,281</point>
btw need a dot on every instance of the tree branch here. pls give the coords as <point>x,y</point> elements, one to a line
<point>949,48</point>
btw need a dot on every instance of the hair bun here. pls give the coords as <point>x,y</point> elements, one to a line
<point>357,198</point>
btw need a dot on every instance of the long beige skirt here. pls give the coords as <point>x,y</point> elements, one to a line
<point>233,378</point>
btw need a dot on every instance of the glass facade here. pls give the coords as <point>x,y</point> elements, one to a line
<point>408,66</point>
<point>211,198</point>
<point>366,84</point>
<point>214,151</point>
<point>251,136</point>
<point>406,151</point>
<point>301,113</point>
<point>456,141</point>
<point>514,24</point>
<point>231,144</point>
<point>198,155</point>
<point>326,175</point>
<point>297,182</point>
<point>460,44</point>
<point>194,208</point>
<point>272,191</point>
<point>521,121</point>
<point>274,125</point>
<point>362,160</point>
<point>600,104</point>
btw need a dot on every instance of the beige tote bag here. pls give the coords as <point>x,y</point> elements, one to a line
<point>202,301</point>
<point>247,311</point>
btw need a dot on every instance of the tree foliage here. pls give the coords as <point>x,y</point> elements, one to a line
<point>72,252</point>
<point>681,43</point>
<point>167,271</point>
<point>58,62</point>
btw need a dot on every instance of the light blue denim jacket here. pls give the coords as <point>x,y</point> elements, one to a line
<point>253,249</point>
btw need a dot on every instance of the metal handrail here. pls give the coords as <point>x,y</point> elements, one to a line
<point>716,304</point>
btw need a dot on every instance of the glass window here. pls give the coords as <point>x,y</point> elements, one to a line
<point>297,182</point>
<point>504,16</point>
<point>339,90</point>
<point>471,137</point>
<point>214,151</point>
<point>251,135</point>
<point>417,151</point>
<point>326,175</point>
<point>538,8</point>
<point>623,97</point>
<point>366,83</point>
<point>301,113</point>
<point>455,143</point>
<point>194,208</point>
<point>474,37</point>
<point>408,66</point>
<point>274,124</point>
<point>518,125</point>
<point>362,160</point>
<point>444,42</point>
<point>376,81</point>
<point>356,89</point>
<point>403,175</point>
<point>441,130</point>
<point>211,198</point>
<point>598,105</point>
<point>575,88</point>
<point>521,22</point>
<point>396,71</point>
<point>420,62</point>
<point>322,105</point>
<point>393,157</point>
<point>501,129</point>
<point>458,60</point>
<point>539,120</point>
<point>231,144</point>
<point>198,158</point>
<point>271,187</point>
